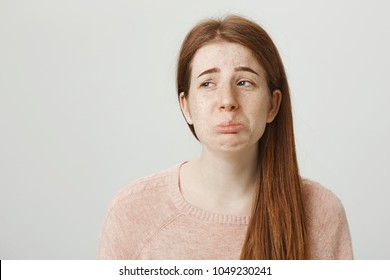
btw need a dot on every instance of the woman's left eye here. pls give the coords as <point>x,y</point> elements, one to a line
<point>206,84</point>
<point>244,83</point>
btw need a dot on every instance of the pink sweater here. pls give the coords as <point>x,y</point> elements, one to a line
<point>151,220</point>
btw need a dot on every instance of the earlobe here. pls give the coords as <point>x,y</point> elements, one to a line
<point>185,108</point>
<point>275,101</point>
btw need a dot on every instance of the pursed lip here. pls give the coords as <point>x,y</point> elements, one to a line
<point>229,127</point>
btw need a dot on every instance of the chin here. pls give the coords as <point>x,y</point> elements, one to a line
<point>234,146</point>
<point>230,144</point>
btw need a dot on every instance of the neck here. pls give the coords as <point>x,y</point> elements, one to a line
<point>221,182</point>
<point>228,174</point>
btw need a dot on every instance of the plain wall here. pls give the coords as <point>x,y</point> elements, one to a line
<point>88,104</point>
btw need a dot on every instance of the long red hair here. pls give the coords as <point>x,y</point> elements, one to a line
<point>277,227</point>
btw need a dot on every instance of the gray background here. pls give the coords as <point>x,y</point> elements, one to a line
<point>88,104</point>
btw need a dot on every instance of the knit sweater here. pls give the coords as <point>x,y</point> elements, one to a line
<point>150,219</point>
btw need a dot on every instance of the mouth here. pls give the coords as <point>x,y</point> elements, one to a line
<point>229,127</point>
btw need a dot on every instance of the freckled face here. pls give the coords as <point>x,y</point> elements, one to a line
<point>229,103</point>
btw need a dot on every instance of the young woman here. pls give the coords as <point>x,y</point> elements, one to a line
<point>243,197</point>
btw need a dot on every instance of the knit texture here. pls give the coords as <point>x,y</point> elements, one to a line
<point>151,220</point>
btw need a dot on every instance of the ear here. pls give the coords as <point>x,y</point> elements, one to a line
<point>275,101</point>
<point>185,108</point>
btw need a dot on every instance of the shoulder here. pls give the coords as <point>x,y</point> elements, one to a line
<point>320,200</point>
<point>327,224</point>
<point>146,199</point>
<point>136,212</point>
<point>152,186</point>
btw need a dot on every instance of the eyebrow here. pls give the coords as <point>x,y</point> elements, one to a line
<point>217,70</point>
<point>247,69</point>
<point>209,71</point>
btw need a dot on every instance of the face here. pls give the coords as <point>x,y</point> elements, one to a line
<point>229,103</point>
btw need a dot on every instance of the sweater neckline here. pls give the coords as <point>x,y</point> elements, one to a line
<point>192,210</point>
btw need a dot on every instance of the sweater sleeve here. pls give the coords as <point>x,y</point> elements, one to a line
<point>328,229</point>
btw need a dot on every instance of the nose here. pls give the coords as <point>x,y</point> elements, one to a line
<point>228,100</point>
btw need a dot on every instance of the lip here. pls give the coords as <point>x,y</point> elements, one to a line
<point>229,127</point>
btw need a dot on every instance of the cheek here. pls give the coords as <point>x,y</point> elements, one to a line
<point>257,115</point>
<point>197,108</point>
<point>258,107</point>
<point>201,115</point>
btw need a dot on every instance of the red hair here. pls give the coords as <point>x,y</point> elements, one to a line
<point>277,228</point>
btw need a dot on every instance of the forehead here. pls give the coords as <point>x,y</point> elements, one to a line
<point>224,55</point>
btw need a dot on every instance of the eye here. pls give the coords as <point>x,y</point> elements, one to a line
<point>206,84</point>
<point>244,83</point>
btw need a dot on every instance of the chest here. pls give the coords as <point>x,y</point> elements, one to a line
<point>181,240</point>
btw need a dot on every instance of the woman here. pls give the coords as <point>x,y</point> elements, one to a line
<point>243,197</point>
